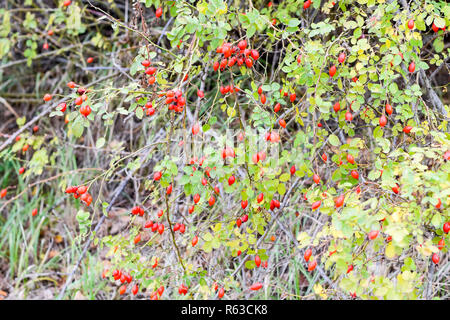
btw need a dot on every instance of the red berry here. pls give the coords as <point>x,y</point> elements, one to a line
<point>373,234</point>
<point>407,129</point>
<point>348,116</point>
<point>257,261</point>
<point>90,60</point>
<point>34,212</point>
<point>316,178</point>
<point>135,289</point>
<point>411,24</point>
<point>85,110</point>
<point>47,97</point>
<point>221,293</point>
<point>200,94</point>
<point>355,174</point>
<point>339,201</point>
<point>211,201</point>
<point>231,180</point>
<point>350,159</point>
<point>337,107</point>
<point>159,12</point>
<point>445,228</point>
<point>260,198</point>
<point>122,289</point>
<point>389,109</point>
<point>341,57</point>
<point>383,120</point>
<point>194,241</point>
<point>332,71</point>
<point>435,258</point>
<point>316,205</point>
<point>307,255</point>
<point>157,175</point>
<point>412,67</point>
<point>256,286</point>
<point>312,265</point>
<point>306,4</point>
<point>244,204</point>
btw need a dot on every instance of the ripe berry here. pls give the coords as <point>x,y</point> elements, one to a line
<point>145,63</point>
<point>21,170</point>
<point>260,198</point>
<point>441,244</point>
<point>195,128</point>
<point>350,159</point>
<point>435,258</point>
<point>307,254</point>
<point>257,261</point>
<point>122,289</point>
<point>316,205</point>
<point>350,268</point>
<point>438,205</point>
<point>411,24</point>
<point>445,228</point>
<point>407,129</point>
<point>292,97</point>
<point>292,170</point>
<point>256,286</point>
<point>194,241</point>
<point>200,94</point>
<point>90,60</point>
<point>157,175</point>
<point>348,116</point>
<point>85,110</point>
<point>395,189</point>
<point>231,180</point>
<point>324,157</point>
<point>248,62</point>
<point>34,212</point>
<point>67,3</point>
<point>339,201</point>
<point>389,109</point>
<point>282,123</point>
<point>159,12</point>
<point>255,54</point>
<point>306,4</point>
<point>160,228</point>
<point>373,234</point>
<point>242,45</point>
<point>337,107</point>
<point>135,289</point>
<point>341,57</point>
<point>169,190</point>
<point>137,239</point>
<point>312,265</point>
<point>383,121</point>
<point>412,67</point>
<point>47,97</point>
<point>332,71</point>
<point>244,204</point>
<point>211,201</point>
<point>435,28</point>
<point>316,178</point>
<point>277,107</point>
<point>263,98</point>
<point>221,293</point>
<point>355,174</point>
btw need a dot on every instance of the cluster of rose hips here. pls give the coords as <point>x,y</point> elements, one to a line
<point>150,71</point>
<point>233,54</point>
<point>124,278</point>
<point>80,192</point>
<point>175,100</point>
<point>228,89</point>
<point>182,289</point>
<point>154,226</point>
<point>85,110</point>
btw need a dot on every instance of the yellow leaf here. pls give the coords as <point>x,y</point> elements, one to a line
<point>390,251</point>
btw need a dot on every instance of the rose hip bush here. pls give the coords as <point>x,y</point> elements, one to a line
<point>246,149</point>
